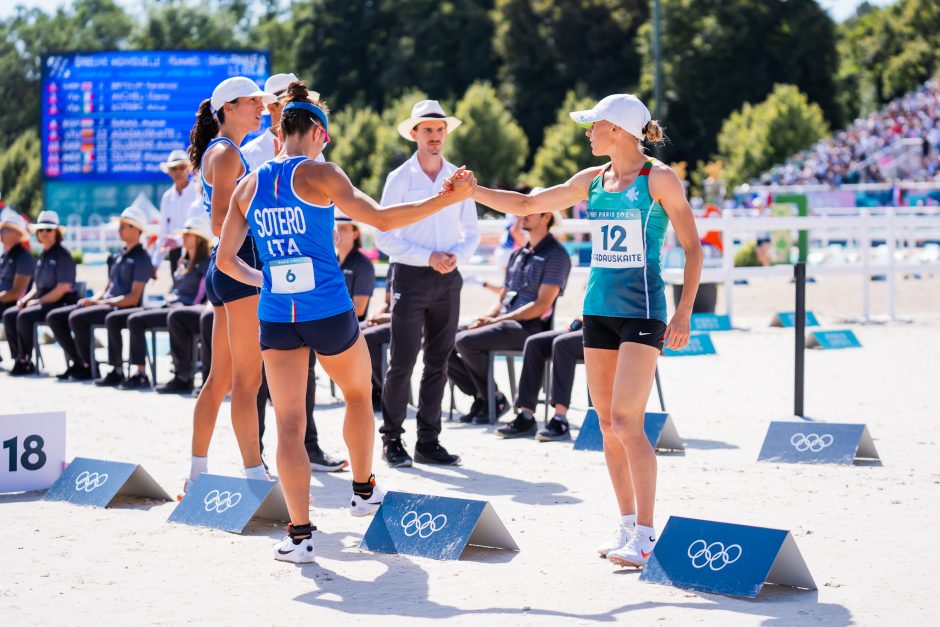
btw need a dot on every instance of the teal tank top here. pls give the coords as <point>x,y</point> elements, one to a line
<point>627,232</point>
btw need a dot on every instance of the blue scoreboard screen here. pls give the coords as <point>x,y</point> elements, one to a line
<point>115,116</point>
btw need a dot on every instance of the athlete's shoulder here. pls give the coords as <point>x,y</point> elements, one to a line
<point>585,177</point>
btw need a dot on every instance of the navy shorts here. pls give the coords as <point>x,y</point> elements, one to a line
<point>609,332</point>
<point>327,336</point>
<point>221,288</point>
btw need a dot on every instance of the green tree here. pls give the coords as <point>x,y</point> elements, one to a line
<point>490,141</point>
<point>355,142</point>
<point>545,48</point>
<point>758,136</point>
<point>20,174</point>
<point>565,150</point>
<point>719,55</point>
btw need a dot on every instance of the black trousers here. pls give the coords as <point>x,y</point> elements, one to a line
<point>185,325</point>
<point>310,436</point>
<point>115,322</point>
<point>4,310</point>
<point>19,323</point>
<point>426,303</point>
<point>71,326</point>
<point>565,348</point>
<point>469,363</point>
<point>375,337</point>
<point>138,323</point>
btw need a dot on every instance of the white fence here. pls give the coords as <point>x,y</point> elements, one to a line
<point>902,229</point>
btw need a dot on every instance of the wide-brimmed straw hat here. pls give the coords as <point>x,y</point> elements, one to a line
<point>133,216</point>
<point>177,157</point>
<point>47,220</point>
<point>13,220</point>
<point>199,227</point>
<point>426,111</point>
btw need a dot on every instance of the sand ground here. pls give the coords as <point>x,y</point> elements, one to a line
<point>867,532</point>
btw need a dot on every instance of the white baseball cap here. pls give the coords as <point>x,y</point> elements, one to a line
<point>238,87</point>
<point>424,111</point>
<point>279,82</point>
<point>625,110</point>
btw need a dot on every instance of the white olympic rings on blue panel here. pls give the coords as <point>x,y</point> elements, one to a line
<point>715,555</point>
<point>219,502</point>
<point>90,481</point>
<point>810,442</point>
<point>422,525</point>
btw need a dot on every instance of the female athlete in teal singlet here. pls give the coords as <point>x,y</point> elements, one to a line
<point>631,200</point>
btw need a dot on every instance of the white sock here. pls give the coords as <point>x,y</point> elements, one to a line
<point>197,466</point>
<point>646,533</point>
<point>256,472</point>
<point>628,521</point>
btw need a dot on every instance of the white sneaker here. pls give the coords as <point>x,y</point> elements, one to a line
<point>636,552</point>
<point>287,551</point>
<point>617,539</point>
<point>364,507</point>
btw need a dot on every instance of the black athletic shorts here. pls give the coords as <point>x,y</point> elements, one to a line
<point>327,336</point>
<point>609,332</point>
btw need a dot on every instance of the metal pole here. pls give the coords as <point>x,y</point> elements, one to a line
<point>864,251</point>
<point>658,109</point>
<point>799,274</point>
<point>892,247</point>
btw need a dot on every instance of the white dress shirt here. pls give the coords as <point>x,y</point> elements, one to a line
<point>451,230</point>
<point>175,209</point>
<point>261,149</point>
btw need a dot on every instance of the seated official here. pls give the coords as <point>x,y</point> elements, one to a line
<point>377,332</point>
<point>127,277</point>
<point>53,286</point>
<point>189,288</point>
<point>536,275</point>
<point>16,260</point>
<point>565,347</point>
<point>187,325</point>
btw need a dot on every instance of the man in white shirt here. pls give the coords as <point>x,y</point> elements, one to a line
<point>175,207</point>
<point>266,146</point>
<point>425,288</point>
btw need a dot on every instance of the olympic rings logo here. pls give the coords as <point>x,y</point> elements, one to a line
<point>811,442</point>
<point>219,502</point>
<point>715,555</point>
<point>90,481</point>
<point>422,525</point>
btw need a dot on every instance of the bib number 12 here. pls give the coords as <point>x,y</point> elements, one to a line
<point>617,235</point>
<point>32,448</point>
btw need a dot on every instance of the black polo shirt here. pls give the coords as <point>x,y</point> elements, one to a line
<point>530,268</point>
<point>130,266</point>
<point>54,266</point>
<point>18,260</point>
<point>360,276</point>
<point>187,285</point>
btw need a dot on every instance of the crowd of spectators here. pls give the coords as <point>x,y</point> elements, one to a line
<point>854,155</point>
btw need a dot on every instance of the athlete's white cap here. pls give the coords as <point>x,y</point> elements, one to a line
<point>279,82</point>
<point>238,87</point>
<point>624,110</point>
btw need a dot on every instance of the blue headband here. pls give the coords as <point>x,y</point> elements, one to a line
<point>311,108</point>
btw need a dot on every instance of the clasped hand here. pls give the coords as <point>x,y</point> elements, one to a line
<point>462,183</point>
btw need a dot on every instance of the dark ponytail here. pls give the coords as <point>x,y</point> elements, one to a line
<point>298,121</point>
<point>204,130</point>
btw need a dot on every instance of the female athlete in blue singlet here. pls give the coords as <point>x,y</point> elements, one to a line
<point>630,202</point>
<point>221,125</point>
<point>288,204</point>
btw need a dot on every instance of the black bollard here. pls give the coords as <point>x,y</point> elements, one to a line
<point>799,275</point>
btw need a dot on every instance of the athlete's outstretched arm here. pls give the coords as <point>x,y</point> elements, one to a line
<point>569,193</point>
<point>234,231</point>
<point>359,206</point>
<point>667,189</point>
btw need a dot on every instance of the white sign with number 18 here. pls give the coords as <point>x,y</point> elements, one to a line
<point>33,450</point>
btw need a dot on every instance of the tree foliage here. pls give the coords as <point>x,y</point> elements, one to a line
<point>756,137</point>
<point>490,141</point>
<point>565,150</point>
<point>355,133</point>
<point>20,176</point>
